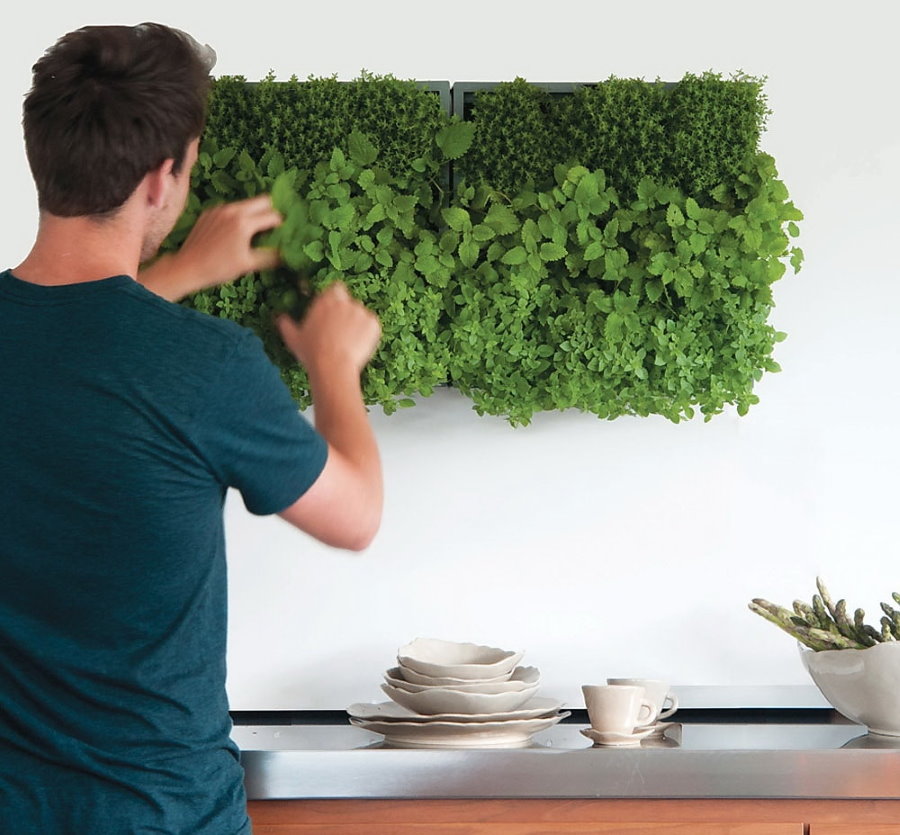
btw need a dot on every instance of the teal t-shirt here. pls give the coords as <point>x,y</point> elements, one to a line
<point>123,420</point>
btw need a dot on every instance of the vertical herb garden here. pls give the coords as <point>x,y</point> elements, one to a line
<point>610,249</point>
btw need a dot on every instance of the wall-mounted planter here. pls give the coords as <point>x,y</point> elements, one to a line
<point>608,246</point>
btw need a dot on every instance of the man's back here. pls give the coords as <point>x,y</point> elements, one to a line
<point>123,419</point>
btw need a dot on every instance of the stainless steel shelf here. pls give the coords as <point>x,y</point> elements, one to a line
<point>833,761</point>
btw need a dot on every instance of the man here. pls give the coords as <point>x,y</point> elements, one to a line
<point>123,420</point>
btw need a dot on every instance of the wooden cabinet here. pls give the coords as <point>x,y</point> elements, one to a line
<point>558,817</point>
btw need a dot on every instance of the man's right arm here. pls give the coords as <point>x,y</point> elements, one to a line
<point>335,340</point>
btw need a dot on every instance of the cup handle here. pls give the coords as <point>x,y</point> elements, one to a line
<point>645,714</point>
<point>666,712</point>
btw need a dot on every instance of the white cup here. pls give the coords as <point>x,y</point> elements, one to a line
<point>616,708</point>
<point>657,693</point>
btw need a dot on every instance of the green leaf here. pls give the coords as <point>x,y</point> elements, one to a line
<point>454,140</point>
<point>338,160</point>
<point>684,283</point>
<point>547,226</point>
<point>405,203</point>
<point>375,214</point>
<point>223,182</point>
<point>674,216</point>
<point>457,218</point>
<point>245,162</point>
<point>697,242</point>
<point>315,251</point>
<point>646,189</point>
<point>362,151</point>
<point>654,290</point>
<point>223,157</point>
<point>515,256</point>
<point>501,219</point>
<point>275,166</point>
<point>449,241</point>
<point>614,327</point>
<point>283,195</point>
<point>587,190</point>
<point>468,251</point>
<point>720,193</point>
<point>552,252</point>
<point>594,250</point>
<point>483,232</point>
<point>342,216</point>
<point>693,209</point>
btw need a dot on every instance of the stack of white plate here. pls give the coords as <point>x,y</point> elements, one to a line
<point>450,694</point>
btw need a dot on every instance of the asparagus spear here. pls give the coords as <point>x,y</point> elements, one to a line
<point>826,597</point>
<point>867,635</point>
<point>813,637</point>
<point>828,625</point>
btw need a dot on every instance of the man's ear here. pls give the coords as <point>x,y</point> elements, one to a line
<point>158,182</point>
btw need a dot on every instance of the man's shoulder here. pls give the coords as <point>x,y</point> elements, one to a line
<point>193,329</point>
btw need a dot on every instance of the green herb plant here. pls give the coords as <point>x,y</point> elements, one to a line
<point>576,298</point>
<point>351,220</point>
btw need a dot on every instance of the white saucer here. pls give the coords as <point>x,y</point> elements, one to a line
<point>614,738</point>
<point>657,729</point>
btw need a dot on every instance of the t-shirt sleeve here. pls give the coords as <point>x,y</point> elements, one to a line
<point>253,435</point>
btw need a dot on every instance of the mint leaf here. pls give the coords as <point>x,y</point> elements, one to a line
<point>515,256</point>
<point>552,252</point>
<point>454,140</point>
<point>362,151</point>
<point>457,218</point>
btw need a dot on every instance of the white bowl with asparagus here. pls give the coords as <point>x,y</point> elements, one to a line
<point>856,666</point>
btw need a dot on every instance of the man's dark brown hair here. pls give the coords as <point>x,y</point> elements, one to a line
<point>107,105</point>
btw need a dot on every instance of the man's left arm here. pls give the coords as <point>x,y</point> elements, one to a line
<point>218,250</point>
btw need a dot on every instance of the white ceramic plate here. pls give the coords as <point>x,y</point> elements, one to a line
<point>392,712</point>
<point>435,657</point>
<point>522,678</point>
<point>510,734</point>
<point>443,700</point>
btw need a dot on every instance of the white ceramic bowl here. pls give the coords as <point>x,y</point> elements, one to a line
<point>438,658</point>
<point>443,700</point>
<point>447,681</point>
<point>861,684</point>
<point>521,679</point>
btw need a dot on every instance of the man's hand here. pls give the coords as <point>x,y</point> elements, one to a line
<point>218,250</point>
<point>335,340</point>
<point>337,334</point>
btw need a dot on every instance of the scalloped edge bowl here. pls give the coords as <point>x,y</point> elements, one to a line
<point>439,658</point>
<point>413,677</point>
<point>444,700</point>
<point>521,679</point>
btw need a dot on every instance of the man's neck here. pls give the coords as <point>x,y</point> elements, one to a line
<point>70,250</point>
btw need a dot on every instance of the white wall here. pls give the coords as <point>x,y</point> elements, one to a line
<point>601,548</point>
